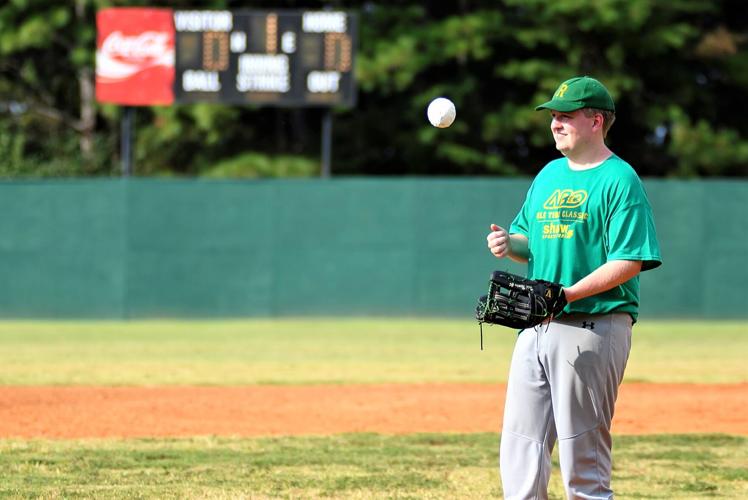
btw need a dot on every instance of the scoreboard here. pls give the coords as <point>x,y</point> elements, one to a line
<point>266,57</point>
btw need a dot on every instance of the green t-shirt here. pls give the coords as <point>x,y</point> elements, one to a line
<point>577,220</point>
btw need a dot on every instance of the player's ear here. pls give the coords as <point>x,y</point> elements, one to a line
<point>599,121</point>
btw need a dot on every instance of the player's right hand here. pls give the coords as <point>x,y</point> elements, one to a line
<point>498,241</point>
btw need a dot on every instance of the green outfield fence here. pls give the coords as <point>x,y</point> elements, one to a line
<point>138,248</point>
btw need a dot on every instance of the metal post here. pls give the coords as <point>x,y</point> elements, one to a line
<point>128,119</point>
<point>326,143</point>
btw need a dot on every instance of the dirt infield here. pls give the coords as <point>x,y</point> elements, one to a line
<point>83,412</point>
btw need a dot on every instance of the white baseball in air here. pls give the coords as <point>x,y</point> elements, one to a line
<point>441,112</point>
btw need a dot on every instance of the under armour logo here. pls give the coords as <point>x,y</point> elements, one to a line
<point>590,325</point>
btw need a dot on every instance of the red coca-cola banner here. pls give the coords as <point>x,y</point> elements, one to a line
<point>135,56</point>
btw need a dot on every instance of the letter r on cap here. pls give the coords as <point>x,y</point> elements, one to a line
<point>562,90</point>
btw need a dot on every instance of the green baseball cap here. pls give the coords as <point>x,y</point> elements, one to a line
<point>577,93</point>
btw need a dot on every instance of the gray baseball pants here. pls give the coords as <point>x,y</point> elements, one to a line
<point>563,384</point>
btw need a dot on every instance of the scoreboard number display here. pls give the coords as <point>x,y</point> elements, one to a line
<point>288,58</point>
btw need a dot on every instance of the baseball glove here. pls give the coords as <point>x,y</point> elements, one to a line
<point>518,302</point>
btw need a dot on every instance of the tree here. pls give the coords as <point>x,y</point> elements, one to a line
<point>677,70</point>
<point>46,85</point>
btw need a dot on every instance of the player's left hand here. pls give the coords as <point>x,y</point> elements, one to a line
<point>519,302</point>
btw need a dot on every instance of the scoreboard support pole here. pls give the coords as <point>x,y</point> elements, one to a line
<point>326,143</point>
<point>126,136</point>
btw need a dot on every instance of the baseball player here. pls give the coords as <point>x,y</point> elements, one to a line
<point>586,223</point>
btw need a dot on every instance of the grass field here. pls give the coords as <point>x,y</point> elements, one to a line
<point>331,351</point>
<point>343,466</point>
<point>348,466</point>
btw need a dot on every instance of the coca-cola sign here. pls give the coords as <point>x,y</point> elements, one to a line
<point>135,56</point>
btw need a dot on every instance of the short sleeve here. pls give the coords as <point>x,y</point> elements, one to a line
<point>520,224</point>
<point>631,231</point>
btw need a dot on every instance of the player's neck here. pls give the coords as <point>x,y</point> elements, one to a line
<point>588,158</point>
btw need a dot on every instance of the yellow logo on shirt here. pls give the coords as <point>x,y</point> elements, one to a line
<point>565,198</point>
<point>562,213</point>
<point>556,231</point>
